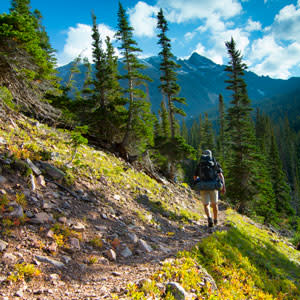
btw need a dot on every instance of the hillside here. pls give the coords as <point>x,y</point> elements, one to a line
<point>99,228</point>
<point>201,82</point>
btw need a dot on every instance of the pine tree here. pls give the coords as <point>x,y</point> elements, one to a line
<point>207,135</point>
<point>165,123</point>
<point>242,167</point>
<point>281,188</point>
<point>26,30</point>
<point>21,7</point>
<point>168,78</point>
<point>139,124</point>
<point>184,131</point>
<point>100,66</point>
<point>221,139</point>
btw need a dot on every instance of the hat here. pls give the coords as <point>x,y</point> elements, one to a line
<point>208,153</point>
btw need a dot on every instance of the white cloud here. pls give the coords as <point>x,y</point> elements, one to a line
<point>270,58</point>
<point>179,11</point>
<point>253,25</point>
<point>286,25</point>
<point>189,35</point>
<point>143,19</point>
<point>79,42</point>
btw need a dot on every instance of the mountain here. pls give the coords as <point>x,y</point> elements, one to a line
<point>201,82</point>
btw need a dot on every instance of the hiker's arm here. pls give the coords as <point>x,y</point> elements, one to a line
<point>221,176</point>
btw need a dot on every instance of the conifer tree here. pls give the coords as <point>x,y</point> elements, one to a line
<point>168,78</point>
<point>165,123</point>
<point>243,168</point>
<point>139,123</point>
<point>207,135</point>
<point>100,66</point>
<point>22,7</point>
<point>184,131</point>
<point>281,188</point>
<point>221,139</point>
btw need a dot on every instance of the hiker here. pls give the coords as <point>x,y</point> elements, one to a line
<point>209,176</point>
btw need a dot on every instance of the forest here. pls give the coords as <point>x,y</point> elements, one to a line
<point>259,152</point>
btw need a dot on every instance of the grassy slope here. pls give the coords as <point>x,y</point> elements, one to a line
<point>246,261</point>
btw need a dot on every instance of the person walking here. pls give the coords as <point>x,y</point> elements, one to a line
<point>209,171</point>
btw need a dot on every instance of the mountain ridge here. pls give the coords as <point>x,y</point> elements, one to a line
<point>201,82</point>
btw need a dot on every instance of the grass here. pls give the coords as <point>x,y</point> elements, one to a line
<point>244,261</point>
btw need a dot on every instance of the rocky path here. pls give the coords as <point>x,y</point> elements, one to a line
<point>129,249</point>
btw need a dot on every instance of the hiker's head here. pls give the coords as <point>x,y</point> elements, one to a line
<point>208,153</point>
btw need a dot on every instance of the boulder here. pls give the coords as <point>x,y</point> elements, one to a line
<point>52,171</point>
<point>49,260</point>
<point>3,245</point>
<point>176,290</point>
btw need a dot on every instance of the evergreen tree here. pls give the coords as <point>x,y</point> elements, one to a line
<point>27,32</point>
<point>100,66</point>
<point>139,124</point>
<point>221,139</point>
<point>184,131</point>
<point>246,189</point>
<point>21,7</point>
<point>165,123</point>
<point>168,78</point>
<point>207,141</point>
<point>279,181</point>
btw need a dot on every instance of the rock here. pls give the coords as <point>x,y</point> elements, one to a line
<point>17,212</point>
<point>2,180</point>
<point>78,227</point>
<point>3,192</point>
<point>176,290</point>
<point>49,260</point>
<point>103,261</point>
<point>116,274</point>
<point>52,171</point>
<point>132,237</point>
<point>126,252</point>
<point>52,247</point>
<point>74,243</point>
<point>41,180</point>
<point>33,167</point>
<point>19,294</point>
<point>62,220</point>
<point>104,216</point>
<point>117,197</point>
<point>66,259</point>
<point>41,218</point>
<point>29,214</point>
<point>111,254</point>
<point>3,141</point>
<point>9,258</point>
<point>144,246</point>
<point>48,206</point>
<point>50,234</point>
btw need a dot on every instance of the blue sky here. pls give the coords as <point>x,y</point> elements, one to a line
<point>266,31</point>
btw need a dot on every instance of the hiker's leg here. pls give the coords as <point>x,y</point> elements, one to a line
<point>205,198</point>
<point>214,195</point>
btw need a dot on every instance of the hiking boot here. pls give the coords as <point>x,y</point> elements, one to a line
<point>215,221</point>
<point>210,222</point>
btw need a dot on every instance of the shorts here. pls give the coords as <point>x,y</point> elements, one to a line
<point>208,197</point>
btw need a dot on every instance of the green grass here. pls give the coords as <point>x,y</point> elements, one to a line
<point>245,262</point>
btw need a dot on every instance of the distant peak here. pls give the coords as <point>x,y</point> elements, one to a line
<point>197,59</point>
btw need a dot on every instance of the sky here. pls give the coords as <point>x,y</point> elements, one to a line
<point>267,32</point>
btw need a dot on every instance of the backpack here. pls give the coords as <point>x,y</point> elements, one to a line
<point>207,168</point>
